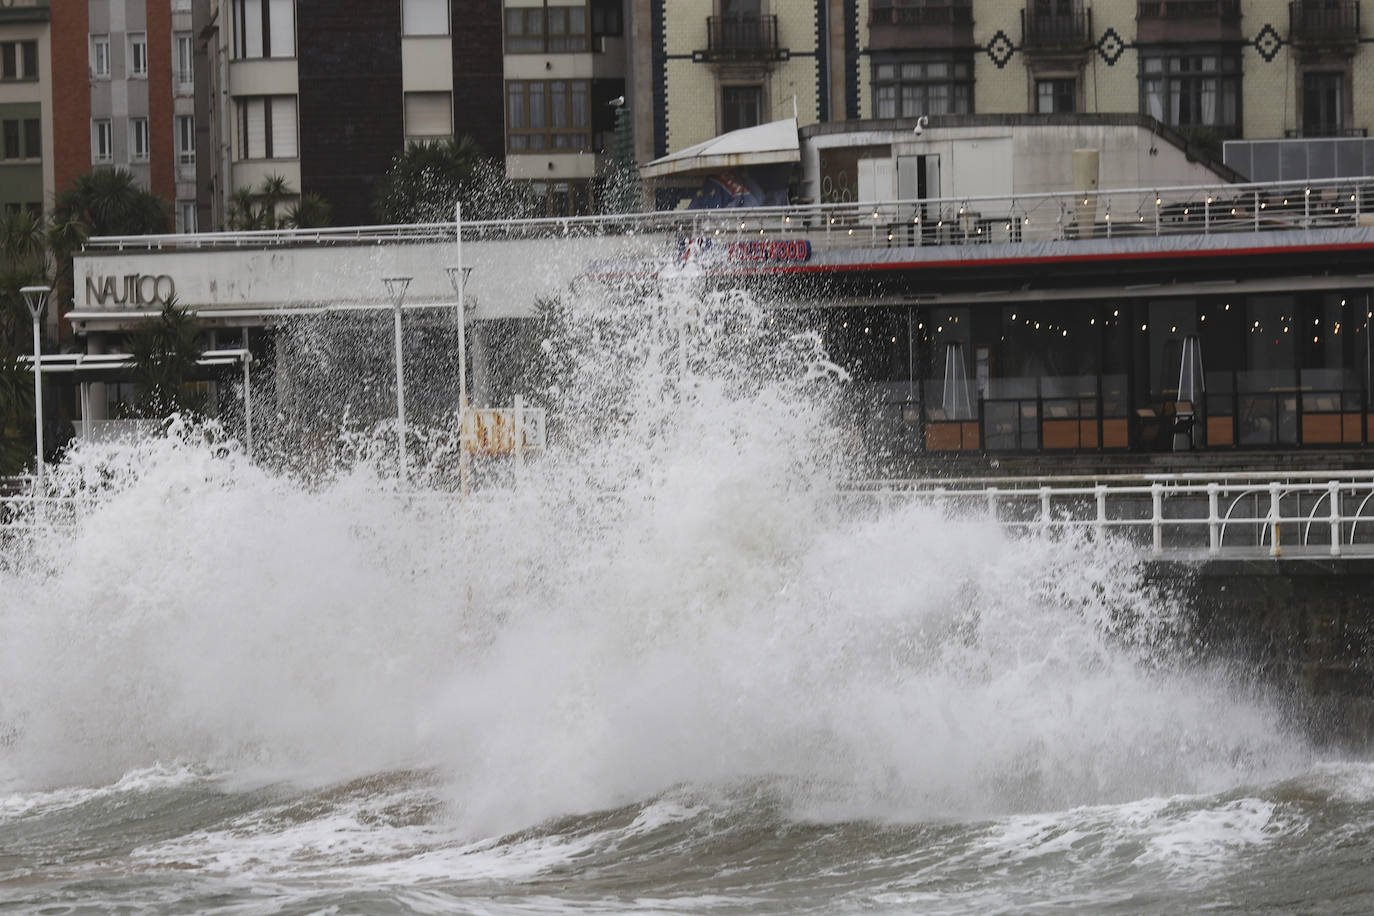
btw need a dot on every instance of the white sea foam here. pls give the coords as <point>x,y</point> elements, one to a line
<point>674,596</point>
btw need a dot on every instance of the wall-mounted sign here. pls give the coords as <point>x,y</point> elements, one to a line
<point>778,251</point>
<point>130,289</point>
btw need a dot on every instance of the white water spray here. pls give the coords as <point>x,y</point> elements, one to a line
<point>675,595</point>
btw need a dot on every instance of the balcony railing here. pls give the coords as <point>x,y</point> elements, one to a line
<point>1324,20</point>
<point>742,38</point>
<point>1055,25</point>
<point>1188,9</point>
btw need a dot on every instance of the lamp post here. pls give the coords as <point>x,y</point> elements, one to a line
<point>35,297</point>
<point>396,288</point>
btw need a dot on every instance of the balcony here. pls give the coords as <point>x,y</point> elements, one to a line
<point>1055,26</point>
<point>741,39</point>
<point>1188,20</point>
<point>1324,21</point>
<point>920,23</point>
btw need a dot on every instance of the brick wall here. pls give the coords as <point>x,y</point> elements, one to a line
<point>350,111</point>
<point>71,116</point>
<point>161,156</point>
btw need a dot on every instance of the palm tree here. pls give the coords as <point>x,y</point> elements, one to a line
<point>16,413</point>
<point>425,180</point>
<point>164,352</point>
<point>108,201</point>
<point>310,212</point>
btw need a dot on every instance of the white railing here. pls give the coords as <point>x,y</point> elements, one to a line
<point>1191,518</point>
<point>1015,219</point>
<point>1168,516</point>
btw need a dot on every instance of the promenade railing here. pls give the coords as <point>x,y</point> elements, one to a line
<point>1199,516</point>
<point>1200,210</point>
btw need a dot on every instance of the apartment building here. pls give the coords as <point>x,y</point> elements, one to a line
<point>26,105</point>
<point>323,93</point>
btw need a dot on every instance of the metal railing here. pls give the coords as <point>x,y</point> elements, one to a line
<point>1194,517</point>
<point>1324,20</point>
<point>1046,25</point>
<point>741,36</point>
<point>1009,219</point>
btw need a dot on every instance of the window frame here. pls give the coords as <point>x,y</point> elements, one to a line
<point>542,39</point>
<point>912,94</point>
<point>1056,84</point>
<point>1181,67</point>
<point>238,12</point>
<point>734,88</point>
<point>242,144</point>
<point>100,57</point>
<point>102,135</point>
<point>138,55</point>
<point>139,145</point>
<point>545,132</point>
<point>184,127</point>
<point>19,61</point>
<point>184,49</point>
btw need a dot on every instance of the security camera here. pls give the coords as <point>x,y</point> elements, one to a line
<point>921,123</point>
<point>617,101</point>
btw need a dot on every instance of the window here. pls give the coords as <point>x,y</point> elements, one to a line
<point>740,106</point>
<point>33,139</point>
<point>930,85</point>
<point>607,18</point>
<point>138,139</point>
<point>138,53</point>
<point>100,56</point>
<point>19,60</point>
<point>552,29</point>
<point>429,114</point>
<point>264,28</point>
<point>102,141</point>
<point>1193,90</point>
<point>185,62</point>
<point>551,114</point>
<point>1055,96</point>
<point>267,127</point>
<point>424,17</point>
<point>10,131</point>
<point>186,216</point>
<point>186,140</point>
<point>1323,108</point>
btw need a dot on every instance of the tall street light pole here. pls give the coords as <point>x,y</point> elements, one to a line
<point>396,288</point>
<point>35,297</point>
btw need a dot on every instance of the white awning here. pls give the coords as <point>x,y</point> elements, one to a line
<point>762,144</point>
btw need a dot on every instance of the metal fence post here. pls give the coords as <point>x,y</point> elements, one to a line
<point>1044,507</point>
<point>1213,520</point>
<point>1274,549</point>
<point>1157,516</point>
<point>1101,492</point>
<point>1333,492</point>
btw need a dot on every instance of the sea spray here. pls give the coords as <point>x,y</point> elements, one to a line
<point>676,594</point>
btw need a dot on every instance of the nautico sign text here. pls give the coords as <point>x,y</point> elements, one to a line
<point>130,289</point>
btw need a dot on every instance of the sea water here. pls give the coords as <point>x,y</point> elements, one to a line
<point>667,666</point>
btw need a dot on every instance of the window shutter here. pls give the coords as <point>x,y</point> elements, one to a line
<point>283,28</point>
<point>425,17</point>
<point>252,27</point>
<point>255,127</point>
<point>284,127</point>
<point>429,114</point>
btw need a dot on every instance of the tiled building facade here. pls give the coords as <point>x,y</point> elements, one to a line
<point>199,98</point>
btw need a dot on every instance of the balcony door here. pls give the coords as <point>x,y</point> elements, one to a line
<point>1323,103</point>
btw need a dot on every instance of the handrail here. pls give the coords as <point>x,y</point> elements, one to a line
<point>1179,507</point>
<point>1013,218</point>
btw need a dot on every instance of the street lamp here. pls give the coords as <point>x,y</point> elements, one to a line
<point>396,289</point>
<point>35,297</point>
